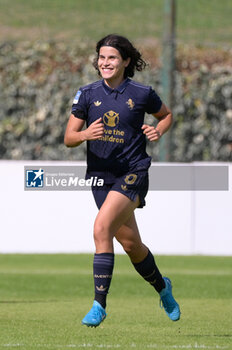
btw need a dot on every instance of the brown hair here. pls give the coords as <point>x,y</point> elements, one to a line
<point>126,50</point>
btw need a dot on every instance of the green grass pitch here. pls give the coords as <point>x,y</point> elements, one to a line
<point>44,297</point>
<point>198,21</point>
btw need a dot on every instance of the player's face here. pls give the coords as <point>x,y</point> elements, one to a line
<point>111,65</point>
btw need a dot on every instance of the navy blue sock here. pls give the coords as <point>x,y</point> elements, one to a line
<point>150,272</point>
<point>103,265</point>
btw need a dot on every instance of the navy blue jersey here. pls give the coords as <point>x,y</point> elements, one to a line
<point>123,146</point>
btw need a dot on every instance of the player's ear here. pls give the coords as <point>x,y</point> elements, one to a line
<point>127,62</point>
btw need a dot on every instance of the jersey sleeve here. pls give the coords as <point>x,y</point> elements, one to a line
<point>79,106</point>
<point>154,102</point>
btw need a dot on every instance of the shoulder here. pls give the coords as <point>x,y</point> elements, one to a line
<point>145,90</point>
<point>137,85</point>
<point>92,86</point>
<point>84,92</point>
<point>146,94</point>
<point>139,90</point>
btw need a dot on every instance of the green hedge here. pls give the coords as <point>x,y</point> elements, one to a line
<point>39,82</point>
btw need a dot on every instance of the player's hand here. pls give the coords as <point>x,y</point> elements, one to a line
<point>151,132</point>
<point>95,130</point>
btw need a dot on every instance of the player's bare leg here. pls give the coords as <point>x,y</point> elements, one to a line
<point>128,236</point>
<point>115,210</point>
<point>116,218</point>
<point>143,261</point>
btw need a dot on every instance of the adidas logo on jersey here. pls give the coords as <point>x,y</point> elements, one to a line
<point>97,103</point>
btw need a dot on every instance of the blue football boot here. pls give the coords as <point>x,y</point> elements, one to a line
<point>170,306</point>
<point>95,316</point>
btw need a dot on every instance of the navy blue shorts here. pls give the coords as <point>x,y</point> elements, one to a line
<point>131,185</point>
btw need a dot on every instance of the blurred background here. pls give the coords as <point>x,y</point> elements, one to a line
<point>46,52</point>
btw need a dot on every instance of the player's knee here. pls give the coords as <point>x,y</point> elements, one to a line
<point>100,231</point>
<point>129,247</point>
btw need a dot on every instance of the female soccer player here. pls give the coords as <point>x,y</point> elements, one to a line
<point>113,109</point>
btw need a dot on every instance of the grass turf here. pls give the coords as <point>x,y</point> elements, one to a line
<point>198,21</point>
<point>44,297</point>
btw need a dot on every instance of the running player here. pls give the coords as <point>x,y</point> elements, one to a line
<point>113,109</point>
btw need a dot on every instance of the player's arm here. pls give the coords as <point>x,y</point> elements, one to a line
<point>164,117</point>
<point>74,135</point>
